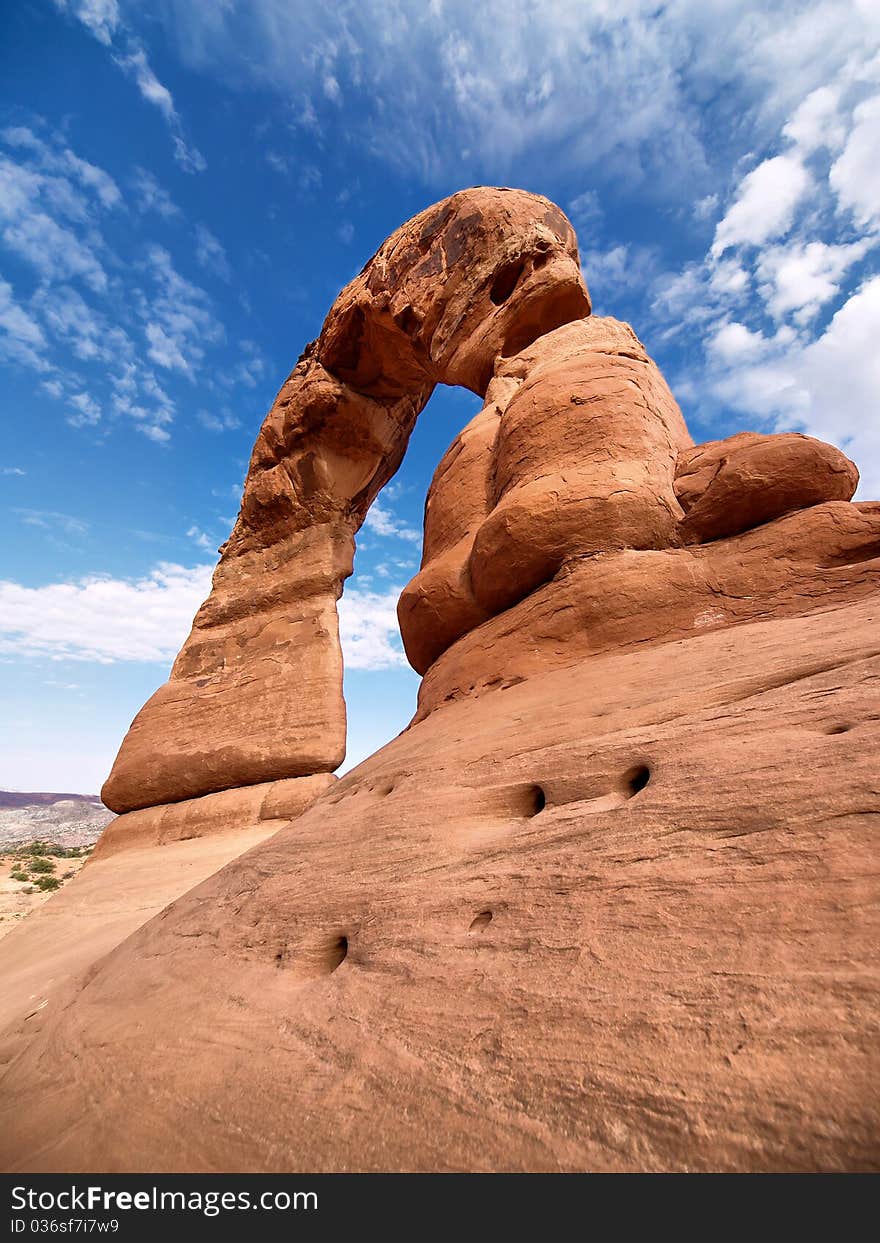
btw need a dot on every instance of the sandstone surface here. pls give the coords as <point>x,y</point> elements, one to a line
<point>610,902</point>
<point>619,916</point>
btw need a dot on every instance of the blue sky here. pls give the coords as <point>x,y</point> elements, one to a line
<point>185,187</point>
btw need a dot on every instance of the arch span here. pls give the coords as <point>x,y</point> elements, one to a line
<point>256,691</point>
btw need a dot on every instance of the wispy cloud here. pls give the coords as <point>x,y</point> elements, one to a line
<point>48,198</point>
<point>85,410</point>
<point>103,19</point>
<point>21,337</point>
<point>218,420</point>
<point>149,195</point>
<point>201,539</point>
<point>179,318</point>
<point>50,520</point>
<point>210,254</point>
<point>54,206</point>
<point>450,88</point>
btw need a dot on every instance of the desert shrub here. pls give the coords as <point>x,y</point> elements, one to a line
<point>41,865</point>
<point>48,883</point>
<point>36,849</point>
<point>18,875</point>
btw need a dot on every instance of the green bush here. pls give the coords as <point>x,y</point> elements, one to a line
<point>41,865</point>
<point>18,875</point>
<point>48,883</point>
<point>36,849</point>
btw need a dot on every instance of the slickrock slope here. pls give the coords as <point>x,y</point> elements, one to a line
<point>105,903</point>
<point>611,902</point>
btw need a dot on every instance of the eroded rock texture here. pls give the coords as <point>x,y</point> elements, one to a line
<point>610,902</point>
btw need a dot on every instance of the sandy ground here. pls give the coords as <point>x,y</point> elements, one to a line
<point>18,898</point>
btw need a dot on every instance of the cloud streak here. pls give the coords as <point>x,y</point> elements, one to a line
<point>103,20</point>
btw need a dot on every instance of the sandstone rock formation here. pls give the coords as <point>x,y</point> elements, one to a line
<point>256,693</point>
<point>610,901</point>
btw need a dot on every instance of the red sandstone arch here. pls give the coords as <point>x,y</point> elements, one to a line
<point>580,453</point>
<point>256,691</point>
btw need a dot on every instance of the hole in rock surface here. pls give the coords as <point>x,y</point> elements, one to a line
<point>534,800</point>
<point>479,922</point>
<point>313,958</point>
<point>505,281</point>
<point>838,729</point>
<point>337,953</point>
<point>637,778</point>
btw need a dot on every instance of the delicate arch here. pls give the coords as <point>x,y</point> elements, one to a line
<point>256,691</point>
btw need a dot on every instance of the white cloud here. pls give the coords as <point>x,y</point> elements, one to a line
<point>855,175</point>
<point>734,342</point>
<point>134,62</point>
<point>49,202</point>
<point>201,538</point>
<point>87,412</point>
<point>83,329</point>
<point>179,319</point>
<point>55,252</point>
<point>164,350</point>
<point>801,277</point>
<point>765,204</point>
<point>635,91</point>
<point>817,121</point>
<point>151,196</point>
<point>827,388</point>
<point>101,17</point>
<point>382,521</point>
<point>54,161</point>
<point>103,619</point>
<point>619,269</point>
<point>369,630</point>
<point>211,254</point>
<point>218,421</point>
<point>12,470</point>
<point>585,212</point>
<point>50,520</point>
<point>154,432</point>
<point>21,337</point>
<point>706,206</point>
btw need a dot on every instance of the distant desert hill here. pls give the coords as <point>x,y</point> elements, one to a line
<point>59,819</point>
<point>21,798</point>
